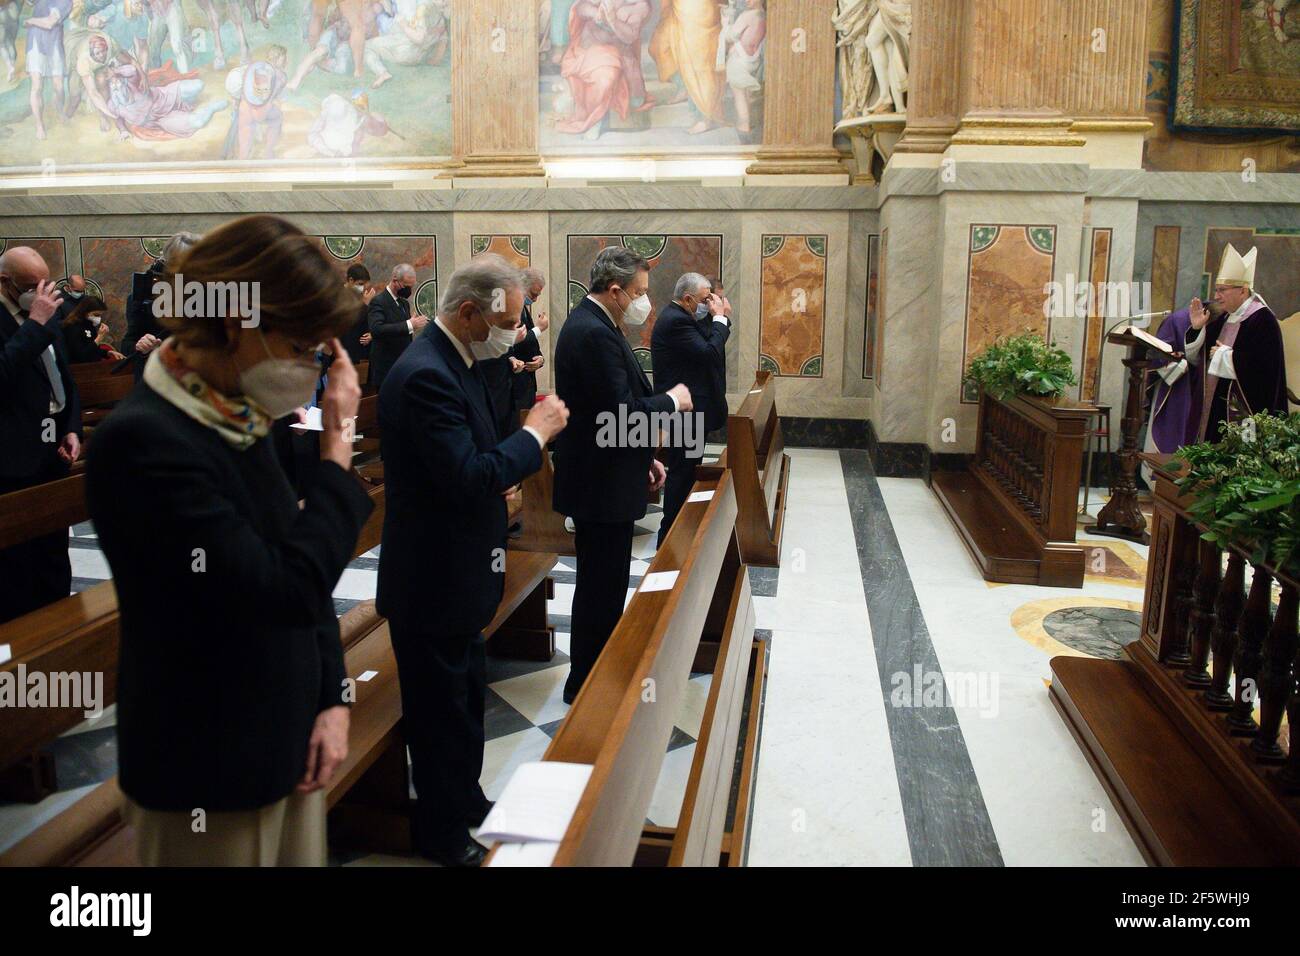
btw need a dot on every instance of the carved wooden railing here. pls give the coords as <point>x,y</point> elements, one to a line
<point>1016,504</point>
<point>1171,727</point>
<point>1229,647</point>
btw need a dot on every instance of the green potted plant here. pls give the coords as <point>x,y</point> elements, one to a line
<point>1021,364</point>
<point>1246,488</point>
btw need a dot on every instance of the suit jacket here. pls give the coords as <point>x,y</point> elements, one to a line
<point>79,343</point>
<point>444,471</point>
<point>222,670</point>
<point>524,385</point>
<point>387,318</point>
<point>25,395</point>
<point>693,353</point>
<point>595,372</point>
<point>140,320</point>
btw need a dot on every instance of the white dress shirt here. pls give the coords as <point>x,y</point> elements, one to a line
<point>468,358</point>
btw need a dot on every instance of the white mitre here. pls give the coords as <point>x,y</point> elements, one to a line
<point>1236,269</point>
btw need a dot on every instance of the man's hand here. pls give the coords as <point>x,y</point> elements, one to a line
<point>549,417</point>
<point>541,322</point>
<point>147,343</point>
<point>532,365</point>
<point>338,409</point>
<point>516,366</point>
<point>45,304</point>
<point>366,339</point>
<point>418,322</point>
<point>683,396</point>
<point>1200,315</point>
<point>70,448</point>
<point>658,474</point>
<point>326,748</point>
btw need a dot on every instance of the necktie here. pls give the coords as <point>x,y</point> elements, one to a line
<point>59,398</point>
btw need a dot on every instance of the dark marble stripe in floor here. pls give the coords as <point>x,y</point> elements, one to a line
<point>947,821</point>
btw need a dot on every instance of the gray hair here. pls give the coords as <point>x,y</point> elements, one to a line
<point>615,265</point>
<point>403,269</point>
<point>689,284</point>
<point>177,246</point>
<point>533,277</point>
<point>484,280</point>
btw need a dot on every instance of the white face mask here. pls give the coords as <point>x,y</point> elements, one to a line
<point>96,319</point>
<point>361,288</point>
<point>637,311</point>
<point>279,385</point>
<point>497,344</point>
<point>74,295</point>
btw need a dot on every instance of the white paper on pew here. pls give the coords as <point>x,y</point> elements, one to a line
<point>313,422</point>
<point>537,803</point>
<point>367,676</point>
<point>5,653</point>
<point>754,391</point>
<point>699,496</point>
<point>659,580</point>
<point>539,853</point>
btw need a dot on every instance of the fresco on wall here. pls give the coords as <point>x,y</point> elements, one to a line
<point>108,263</point>
<point>516,250</point>
<point>670,257</point>
<point>644,76</point>
<point>793,306</point>
<point>1276,278</point>
<point>105,83</point>
<point>1237,66</point>
<point>1010,267</point>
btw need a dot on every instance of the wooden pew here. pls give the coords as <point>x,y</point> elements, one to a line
<point>624,738</point>
<point>761,470</point>
<point>100,389</point>
<point>543,528</point>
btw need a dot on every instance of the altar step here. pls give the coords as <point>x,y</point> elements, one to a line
<point>1004,551</point>
<point>1183,804</point>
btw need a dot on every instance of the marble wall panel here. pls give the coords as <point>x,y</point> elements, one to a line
<point>793,305</point>
<point>52,250</point>
<point>1009,268</point>
<point>517,250</point>
<point>1098,276</point>
<point>1164,268</point>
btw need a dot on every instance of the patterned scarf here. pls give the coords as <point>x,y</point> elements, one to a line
<point>239,421</point>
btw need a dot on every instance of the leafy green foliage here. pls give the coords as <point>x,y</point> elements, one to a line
<point>1021,363</point>
<point>1247,488</point>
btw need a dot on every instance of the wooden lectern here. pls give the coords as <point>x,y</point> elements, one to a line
<point>1122,517</point>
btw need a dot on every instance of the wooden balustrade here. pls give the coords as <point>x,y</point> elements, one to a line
<point>1016,503</point>
<point>1172,727</point>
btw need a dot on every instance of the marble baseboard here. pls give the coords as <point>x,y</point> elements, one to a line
<point>897,459</point>
<point>825,432</point>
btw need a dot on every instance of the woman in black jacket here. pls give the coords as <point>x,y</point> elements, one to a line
<point>85,334</point>
<point>231,711</point>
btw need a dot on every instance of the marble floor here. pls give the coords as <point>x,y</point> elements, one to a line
<point>865,758</point>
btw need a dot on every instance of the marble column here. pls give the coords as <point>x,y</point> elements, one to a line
<point>933,77</point>
<point>494,88</point>
<point>799,106</point>
<point>1104,79</point>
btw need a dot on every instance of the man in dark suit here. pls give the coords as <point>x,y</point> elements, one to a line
<point>392,326</point>
<point>72,294</point>
<point>599,483</point>
<point>526,357</point>
<point>447,474</point>
<point>357,340</point>
<point>144,332</point>
<point>689,344</point>
<point>40,424</point>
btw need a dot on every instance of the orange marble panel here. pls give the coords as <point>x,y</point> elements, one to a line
<point>1164,268</point>
<point>793,305</point>
<point>1098,274</point>
<point>517,250</point>
<point>1006,292</point>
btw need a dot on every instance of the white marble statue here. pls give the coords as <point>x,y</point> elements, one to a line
<point>874,37</point>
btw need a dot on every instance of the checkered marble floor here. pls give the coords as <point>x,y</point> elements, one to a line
<point>524,704</point>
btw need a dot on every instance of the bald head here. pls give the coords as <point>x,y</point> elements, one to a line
<point>24,266</point>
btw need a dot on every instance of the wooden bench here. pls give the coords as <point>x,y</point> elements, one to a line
<point>613,728</point>
<point>100,388</point>
<point>755,454</point>
<point>543,527</point>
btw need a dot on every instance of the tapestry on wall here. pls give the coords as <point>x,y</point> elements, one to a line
<point>1237,66</point>
<point>641,76</point>
<point>93,85</point>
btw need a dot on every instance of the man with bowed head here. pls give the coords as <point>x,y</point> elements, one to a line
<point>447,474</point>
<point>602,488</point>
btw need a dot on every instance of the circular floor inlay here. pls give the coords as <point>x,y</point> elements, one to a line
<point>1096,631</point>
